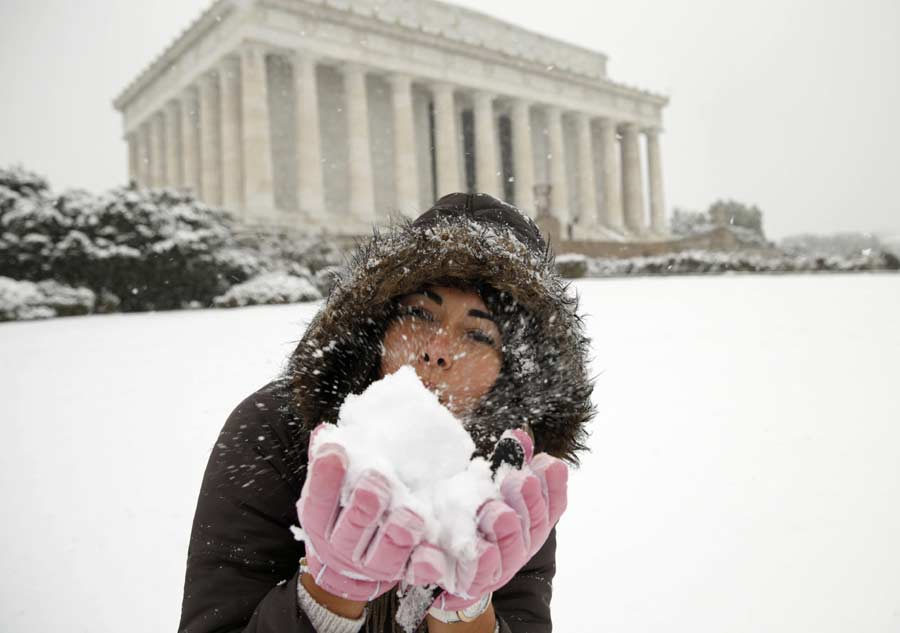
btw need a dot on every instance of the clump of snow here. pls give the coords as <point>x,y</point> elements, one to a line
<point>269,288</point>
<point>398,428</point>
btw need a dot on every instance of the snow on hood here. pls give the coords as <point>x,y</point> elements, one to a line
<point>544,378</point>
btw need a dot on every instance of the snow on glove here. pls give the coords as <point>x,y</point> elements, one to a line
<point>511,531</point>
<point>361,550</point>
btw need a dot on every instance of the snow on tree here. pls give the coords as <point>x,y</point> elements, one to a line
<point>685,222</point>
<point>138,249</point>
<point>745,221</point>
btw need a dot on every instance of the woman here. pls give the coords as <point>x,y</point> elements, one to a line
<point>468,295</point>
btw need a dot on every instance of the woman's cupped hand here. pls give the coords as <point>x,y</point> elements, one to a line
<point>510,531</point>
<point>359,550</point>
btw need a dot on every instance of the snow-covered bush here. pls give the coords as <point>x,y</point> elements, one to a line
<point>685,222</point>
<point>23,182</point>
<point>891,244</point>
<point>842,244</point>
<point>326,278</point>
<point>571,265</point>
<point>744,221</point>
<point>736,214</point>
<point>269,288</point>
<point>312,253</point>
<point>150,249</point>
<point>20,300</point>
<point>691,262</point>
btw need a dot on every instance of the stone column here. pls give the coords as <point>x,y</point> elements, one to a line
<point>145,169</point>
<point>259,196</point>
<point>654,167</point>
<point>362,186</point>
<point>587,187</point>
<point>486,178</point>
<point>631,181</point>
<point>611,176</point>
<point>210,143</point>
<point>134,157</point>
<point>230,130</point>
<point>559,194</point>
<point>523,156</point>
<point>406,168</point>
<point>173,145</point>
<point>446,141</point>
<point>158,150</point>
<point>310,181</point>
<point>190,140</point>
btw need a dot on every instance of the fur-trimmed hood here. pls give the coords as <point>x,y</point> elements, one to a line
<point>469,237</point>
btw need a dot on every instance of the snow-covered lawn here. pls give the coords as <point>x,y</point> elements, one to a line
<point>745,473</point>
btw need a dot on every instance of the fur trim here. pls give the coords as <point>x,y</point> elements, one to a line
<point>547,387</point>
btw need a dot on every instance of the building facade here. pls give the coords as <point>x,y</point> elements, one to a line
<point>331,115</point>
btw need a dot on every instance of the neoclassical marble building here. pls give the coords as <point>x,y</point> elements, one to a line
<point>331,115</point>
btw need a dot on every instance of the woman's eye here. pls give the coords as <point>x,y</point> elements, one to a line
<point>418,313</point>
<point>481,337</point>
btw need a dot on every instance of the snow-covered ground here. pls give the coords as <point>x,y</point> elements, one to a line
<point>745,473</point>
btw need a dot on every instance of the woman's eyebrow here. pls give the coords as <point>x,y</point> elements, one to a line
<point>481,315</point>
<point>431,295</point>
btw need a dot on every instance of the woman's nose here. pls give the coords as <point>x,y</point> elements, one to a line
<point>437,352</point>
<point>442,360</point>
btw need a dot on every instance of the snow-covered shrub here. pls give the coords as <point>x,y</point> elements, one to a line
<point>891,244</point>
<point>572,265</point>
<point>846,244</point>
<point>326,278</point>
<point>744,221</point>
<point>696,261</point>
<point>313,252</point>
<point>147,249</point>
<point>269,288</point>
<point>685,222</point>
<point>736,214</point>
<point>23,182</point>
<point>21,300</point>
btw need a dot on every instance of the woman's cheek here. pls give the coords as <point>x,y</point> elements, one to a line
<point>482,374</point>
<point>387,351</point>
<point>397,350</point>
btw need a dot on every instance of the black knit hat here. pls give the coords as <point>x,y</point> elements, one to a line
<point>484,208</point>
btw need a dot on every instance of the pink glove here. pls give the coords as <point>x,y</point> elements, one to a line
<point>511,531</point>
<point>348,554</point>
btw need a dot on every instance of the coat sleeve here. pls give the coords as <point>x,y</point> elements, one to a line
<point>242,563</point>
<point>523,604</point>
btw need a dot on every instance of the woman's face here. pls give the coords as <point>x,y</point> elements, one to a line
<point>451,340</point>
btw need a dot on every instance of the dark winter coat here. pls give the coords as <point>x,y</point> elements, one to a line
<point>242,567</point>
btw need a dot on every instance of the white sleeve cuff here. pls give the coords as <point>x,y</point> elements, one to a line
<point>323,620</point>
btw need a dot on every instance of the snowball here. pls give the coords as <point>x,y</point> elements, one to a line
<point>399,428</point>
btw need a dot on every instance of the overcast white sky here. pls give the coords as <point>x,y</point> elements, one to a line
<point>788,105</point>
